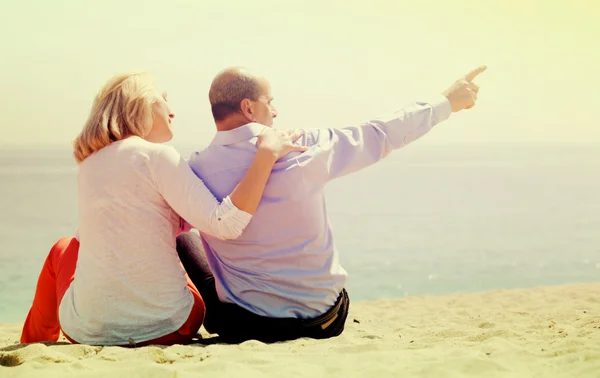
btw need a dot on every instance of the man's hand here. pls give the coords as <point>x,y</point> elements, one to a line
<point>463,93</point>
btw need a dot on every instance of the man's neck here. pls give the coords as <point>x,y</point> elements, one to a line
<point>231,123</point>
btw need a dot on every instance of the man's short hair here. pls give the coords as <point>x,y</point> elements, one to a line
<point>229,88</point>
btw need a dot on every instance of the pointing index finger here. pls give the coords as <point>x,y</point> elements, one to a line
<point>473,74</point>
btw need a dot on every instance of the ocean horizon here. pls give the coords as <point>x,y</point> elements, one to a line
<point>428,220</point>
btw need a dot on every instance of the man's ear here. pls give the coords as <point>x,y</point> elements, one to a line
<point>246,108</point>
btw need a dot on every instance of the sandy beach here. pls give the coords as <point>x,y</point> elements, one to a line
<point>541,332</point>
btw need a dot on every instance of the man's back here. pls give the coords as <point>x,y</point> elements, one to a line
<point>285,263</point>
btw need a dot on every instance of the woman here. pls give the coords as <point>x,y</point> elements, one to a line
<point>129,287</point>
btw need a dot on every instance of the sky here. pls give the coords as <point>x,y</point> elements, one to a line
<point>330,63</point>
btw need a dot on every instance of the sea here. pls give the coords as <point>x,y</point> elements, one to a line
<point>427,220</point>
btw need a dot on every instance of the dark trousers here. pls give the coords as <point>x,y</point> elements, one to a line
<point>235,324</point>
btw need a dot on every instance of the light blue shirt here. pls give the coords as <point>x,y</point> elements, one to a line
<point>285,264</point>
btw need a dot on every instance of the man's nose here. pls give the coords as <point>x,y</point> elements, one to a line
<point>274,112</point>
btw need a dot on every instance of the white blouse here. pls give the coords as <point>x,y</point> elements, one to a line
<point>129,283</point>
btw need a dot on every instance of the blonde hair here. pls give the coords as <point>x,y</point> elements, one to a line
<point>122,108</point>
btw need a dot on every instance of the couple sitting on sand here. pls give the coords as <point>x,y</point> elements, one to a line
<point>265,265</point>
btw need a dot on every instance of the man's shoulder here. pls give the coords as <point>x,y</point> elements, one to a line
<point>196,155</point>
<point>316,136</point>
<point>200,156</point>
<point>217,158</point>
<point>215,152</point>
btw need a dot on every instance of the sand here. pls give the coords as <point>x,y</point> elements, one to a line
<point>542,332</point>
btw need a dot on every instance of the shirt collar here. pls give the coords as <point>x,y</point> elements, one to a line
<point>242,133</point>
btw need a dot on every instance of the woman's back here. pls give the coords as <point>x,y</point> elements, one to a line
<point>129,280</point>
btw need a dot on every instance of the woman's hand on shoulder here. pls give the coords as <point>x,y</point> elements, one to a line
<point>279,142</point>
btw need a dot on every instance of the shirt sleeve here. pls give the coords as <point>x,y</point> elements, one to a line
<point>191,199</point>
<point>353,148</point>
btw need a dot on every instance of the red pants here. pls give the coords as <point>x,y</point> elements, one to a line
<point>42,322</point>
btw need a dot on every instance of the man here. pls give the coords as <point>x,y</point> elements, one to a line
<point>282,278</point>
